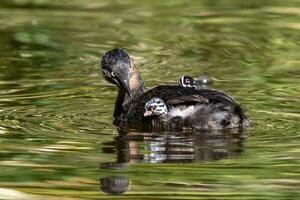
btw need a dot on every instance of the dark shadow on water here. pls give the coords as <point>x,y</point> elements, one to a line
<point>167,147</point>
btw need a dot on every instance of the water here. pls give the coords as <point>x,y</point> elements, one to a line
<point>56,134</point>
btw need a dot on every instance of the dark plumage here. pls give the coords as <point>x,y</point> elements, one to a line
<point>200,109</point>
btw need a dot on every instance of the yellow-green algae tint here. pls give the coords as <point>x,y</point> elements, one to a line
<point>57,140</point>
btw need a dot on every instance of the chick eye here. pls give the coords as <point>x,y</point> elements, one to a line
<point>112,74</point>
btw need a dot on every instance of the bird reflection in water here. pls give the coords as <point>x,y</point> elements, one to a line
<point>168,147</point>
<point>181,147</point>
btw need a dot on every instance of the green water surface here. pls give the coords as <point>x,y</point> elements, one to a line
<point>57,140</point>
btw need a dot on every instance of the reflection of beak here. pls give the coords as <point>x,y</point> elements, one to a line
<point>124,84</point>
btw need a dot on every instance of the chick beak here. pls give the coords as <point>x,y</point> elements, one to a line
<point>148,113</point>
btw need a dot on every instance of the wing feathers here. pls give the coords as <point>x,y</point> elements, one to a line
<point>187,98</point>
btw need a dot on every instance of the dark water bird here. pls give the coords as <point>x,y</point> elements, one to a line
<point>203,109</point>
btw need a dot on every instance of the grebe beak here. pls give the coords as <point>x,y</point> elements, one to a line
<point>123,84</point>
